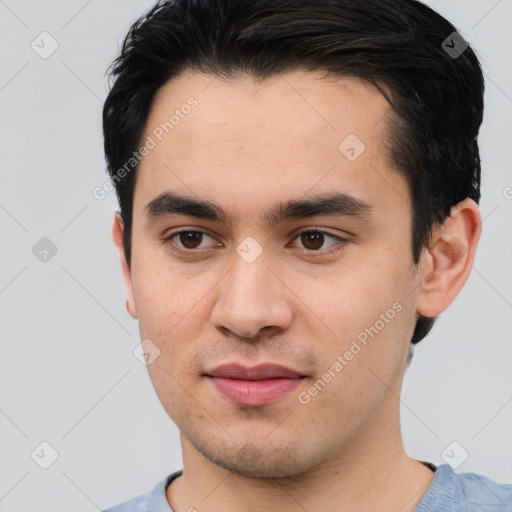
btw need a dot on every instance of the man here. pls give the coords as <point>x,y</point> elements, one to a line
<point>298,185</point>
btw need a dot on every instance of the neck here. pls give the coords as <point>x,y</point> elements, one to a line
<point>370,472</point>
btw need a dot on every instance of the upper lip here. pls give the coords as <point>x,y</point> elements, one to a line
<point>260,372</point>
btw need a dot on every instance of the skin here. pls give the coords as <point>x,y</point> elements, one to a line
<point>248,146</point>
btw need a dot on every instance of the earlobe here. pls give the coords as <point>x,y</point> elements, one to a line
<point>117,234</point>
<point>448,261</point>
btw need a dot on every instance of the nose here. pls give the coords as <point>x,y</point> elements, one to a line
<point>251,298</point>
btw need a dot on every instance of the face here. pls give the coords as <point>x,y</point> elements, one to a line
<point>325,288</point>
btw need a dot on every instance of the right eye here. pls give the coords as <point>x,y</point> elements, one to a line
<point>188,240</point>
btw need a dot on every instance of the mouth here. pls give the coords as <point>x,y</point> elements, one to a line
<point>254,386</point>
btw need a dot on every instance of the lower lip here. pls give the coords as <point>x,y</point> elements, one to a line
<point>255,392</point>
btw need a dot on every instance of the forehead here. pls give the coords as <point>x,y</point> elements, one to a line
<point>295,104</point>
<point>249,143</point>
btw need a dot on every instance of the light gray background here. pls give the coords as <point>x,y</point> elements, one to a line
<point>68,375</point>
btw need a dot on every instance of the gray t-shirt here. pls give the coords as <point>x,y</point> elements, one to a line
<point>448,492</point>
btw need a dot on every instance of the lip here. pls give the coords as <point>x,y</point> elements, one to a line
<point>254,386</point>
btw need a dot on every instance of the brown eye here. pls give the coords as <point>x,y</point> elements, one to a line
<point>312,240</point>
<point>190,239</point>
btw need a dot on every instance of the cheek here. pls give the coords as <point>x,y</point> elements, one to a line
<point>359,371</point>
<point>366,314</point>
<point>168,307</point>
<point>166,296</point>
<point>169,311</point>
<point>351,296</point>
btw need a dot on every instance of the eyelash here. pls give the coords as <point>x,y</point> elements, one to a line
<point>335,248</point>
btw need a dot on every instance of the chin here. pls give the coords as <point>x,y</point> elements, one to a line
<point>260,461</point>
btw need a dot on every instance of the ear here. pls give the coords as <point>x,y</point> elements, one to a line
<point>117,233</point>
<point>446,265</point>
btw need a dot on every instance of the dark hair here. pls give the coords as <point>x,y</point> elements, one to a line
<point>414,56</point>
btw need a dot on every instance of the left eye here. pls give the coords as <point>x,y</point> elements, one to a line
<point>312,240</point>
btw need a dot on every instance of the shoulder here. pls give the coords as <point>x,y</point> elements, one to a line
<point>137,504</point>
<point>154,500</point>
<point>483,494</point>
<point>465,492</point>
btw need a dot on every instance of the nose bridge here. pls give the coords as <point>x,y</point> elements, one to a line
<point>250,281</point>
<point>251,297</point>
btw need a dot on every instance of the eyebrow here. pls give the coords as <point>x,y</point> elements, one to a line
<point>336,204</point>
